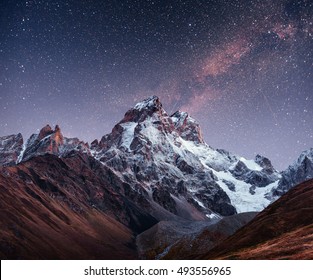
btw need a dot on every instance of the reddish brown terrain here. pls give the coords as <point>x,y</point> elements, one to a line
<point>75,208</point>
<point>149,189</point>
<point>208,237</point>
<point>284,230</point>
<point>57,209</point>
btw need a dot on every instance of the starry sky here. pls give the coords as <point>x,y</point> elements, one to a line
<point>242,69</point>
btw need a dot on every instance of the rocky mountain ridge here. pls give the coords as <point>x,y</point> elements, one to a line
<point>165,158</point>
<point>10,149</point>
<point>299,171</point>
<point>284,230</point>
<point>153,176</point>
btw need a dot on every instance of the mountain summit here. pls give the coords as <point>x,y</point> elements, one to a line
<point>153,167</point>
<point>301,170</point>
<point>165,158</point>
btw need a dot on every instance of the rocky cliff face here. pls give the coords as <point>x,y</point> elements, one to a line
<point>164,158</point>
<point>10,149</point>
<point>167,156</point>
<point>300,171</point>
<point>50,141</point>
<point>284,230</point>
<point>152,167</point>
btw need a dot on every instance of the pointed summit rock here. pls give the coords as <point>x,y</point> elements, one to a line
<point>58,137</point>
<point>47,141</point>
<point>187,127</point>
<point>265,163</point>
<point>45,131</point>
<point>151,103</point>
<point>145,109</point>
<point>165,160</point>
<point>145,119</point>
<point>50,141</point>
<point>167,156</point>
<point>298,172</point>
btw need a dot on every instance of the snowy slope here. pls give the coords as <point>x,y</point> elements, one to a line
<point>299,171</point>
<point>158,151</point>
<point>164,158</point>
<point>52,142</point>
<point>10,148</point>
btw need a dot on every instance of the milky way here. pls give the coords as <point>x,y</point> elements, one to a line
<point>243,69</point>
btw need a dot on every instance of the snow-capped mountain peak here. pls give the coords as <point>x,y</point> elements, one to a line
<point>165,158</point>
<point>298,172</point>
<point>10,148</point>
<point>187,127</point>
<point>45,131</point>
<point>49,141</point>
<point>168,157</point>
<point>304,156</point>
<point>148,108</point>
<point>151,103</point>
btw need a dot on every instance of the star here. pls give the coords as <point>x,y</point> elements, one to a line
<point>242,69</point>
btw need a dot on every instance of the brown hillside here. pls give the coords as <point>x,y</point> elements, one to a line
<point>284,230</point>
<point>47,213</point>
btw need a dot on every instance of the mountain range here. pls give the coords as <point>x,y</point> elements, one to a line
<point>148,189</point>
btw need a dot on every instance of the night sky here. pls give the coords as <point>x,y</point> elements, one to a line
<point>242,69</point>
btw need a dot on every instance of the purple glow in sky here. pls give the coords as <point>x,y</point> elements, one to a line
<point>242,69</point>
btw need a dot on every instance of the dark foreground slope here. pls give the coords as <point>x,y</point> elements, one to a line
<point>174,240</point>
<point>54,208</point>
<point>284,230</point>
